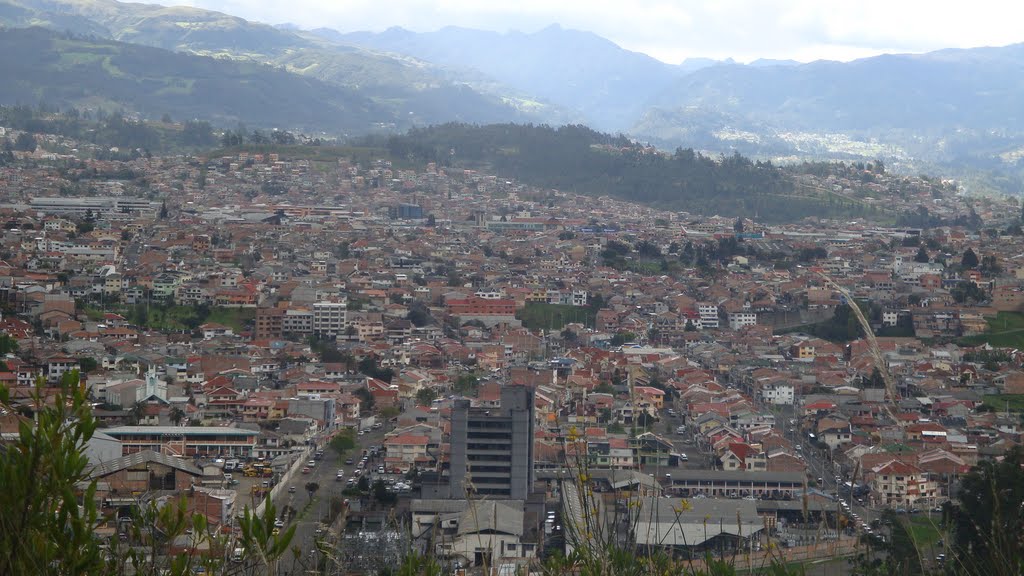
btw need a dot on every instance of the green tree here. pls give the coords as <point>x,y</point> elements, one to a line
<point>88,364</point>
<point>969,259</point>
<point>425,396</point>
<point>466,384</point>
<point>8,345</point>
<point>622,338</point>
<point>921,256</point>
<point>25,142</point>
<point>176,415</point>
<point>44,529</point>
<point>988,518</point>
<point>311,488</point>
<point>342,442</point>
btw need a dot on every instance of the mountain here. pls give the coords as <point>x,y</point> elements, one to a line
<point>417,92</point>
<point>951,111</point>
<point>603,84</point>
<point>42,66</point>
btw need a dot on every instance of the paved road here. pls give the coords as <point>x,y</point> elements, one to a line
<point>312,512</point>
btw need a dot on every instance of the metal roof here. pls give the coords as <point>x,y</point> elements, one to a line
<point>180,431</point>
<point>143,457</point>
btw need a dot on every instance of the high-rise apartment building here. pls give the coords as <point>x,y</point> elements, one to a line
<point>492,448</point>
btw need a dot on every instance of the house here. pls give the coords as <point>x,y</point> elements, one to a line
<point>406,451</point>
<point>899,484</point>
<point>212,330</point>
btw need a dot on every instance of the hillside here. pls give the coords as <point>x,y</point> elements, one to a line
<point>410,89</point>
<point>578,159</point>
<point>41,66</point>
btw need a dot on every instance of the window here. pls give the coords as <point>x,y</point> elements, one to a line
<point>510,547</point>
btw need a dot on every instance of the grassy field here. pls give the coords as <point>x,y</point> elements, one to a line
<point>553,316</point>
<point>924,529</point>
<point>1000,402</point>
<point>1005,330</point>
<point>177,318</point>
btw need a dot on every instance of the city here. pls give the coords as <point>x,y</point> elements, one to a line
<point>489,374</point>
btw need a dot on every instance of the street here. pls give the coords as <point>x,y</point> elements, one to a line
<point>312,512</point>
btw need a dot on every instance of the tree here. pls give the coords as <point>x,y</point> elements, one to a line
<point>382,494</point>
<point>621,338</point>
<point>988,518</point>
<point>25,142</point>
<point>44,529</point>
<point>363,484</point>
<point>8,345</point>
<point>136,412</point>
<point>343,442</point>
<point>88,364</point>
<point>425,396</point>
<point>176,415</point>
<point>366,400</point>
<point>969,259</point>
<point>921,256</point>
<point>311,488</point>
<point>466,384</point>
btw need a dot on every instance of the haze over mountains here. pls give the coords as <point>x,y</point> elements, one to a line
<point>957,109</point>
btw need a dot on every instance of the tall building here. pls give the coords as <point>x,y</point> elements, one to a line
<point>492,448</point>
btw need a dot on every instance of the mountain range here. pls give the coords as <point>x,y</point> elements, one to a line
<point>951,110</point>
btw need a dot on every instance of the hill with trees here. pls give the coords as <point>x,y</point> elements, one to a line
<point>578,159</point>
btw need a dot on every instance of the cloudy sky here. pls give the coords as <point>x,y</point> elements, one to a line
<point>672,30</point>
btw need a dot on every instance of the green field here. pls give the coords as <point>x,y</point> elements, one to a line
<point>924,529</point>
<point>541,316</point>
<point>1002,402</point>
<point>177,318</point>
<point>1005,330</point>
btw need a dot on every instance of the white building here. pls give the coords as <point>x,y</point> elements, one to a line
<point>708,315</point>
<point>329,318</point>
<point>739,320</point>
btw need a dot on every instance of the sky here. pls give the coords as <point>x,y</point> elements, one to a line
<point>673,30</point>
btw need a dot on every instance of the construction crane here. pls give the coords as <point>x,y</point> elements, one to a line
<point>876,351</point>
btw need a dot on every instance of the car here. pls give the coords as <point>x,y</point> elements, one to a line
<point>339,477</point>
<point>291,489</point>
<point>357,472</point>
<point>380,469</point>
<point>311,463</point>
<point>276,531</point>
<point>341,472</point>
<point>362,432</point>
<point>279,523</point>
<point>305,470</point>
<point>348,461</point>
<point>799,447</point>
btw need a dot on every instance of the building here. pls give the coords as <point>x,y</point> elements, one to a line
<point>319,409</point>
<point>739,320</point>
<point>186,440</point>
<point>736,483</point>
<point>96,205</point>
<point>492,449</point>
<point>489,311</point>
<point>708,315</point>
<point>704,524</point>
<point>329,318</point>
<point>897,483</point>
<point>406,212</point>
<point>269,323</point>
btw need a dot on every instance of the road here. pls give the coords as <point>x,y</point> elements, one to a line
<point>311,512</point>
